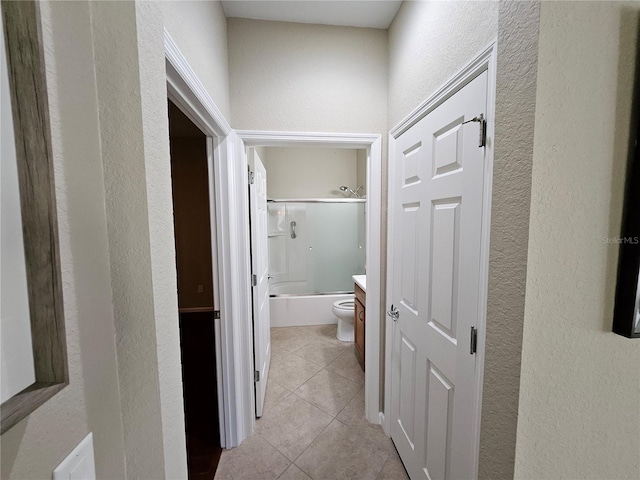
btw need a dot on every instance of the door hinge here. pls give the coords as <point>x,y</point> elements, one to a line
<point>473,348</point>
<point>254,280</point>
<point>482,134</point>
<point>216,314</point>
<point>256,376</point>
<point>251,178</point>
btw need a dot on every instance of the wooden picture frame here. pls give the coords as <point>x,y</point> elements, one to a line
<point>30,111</point>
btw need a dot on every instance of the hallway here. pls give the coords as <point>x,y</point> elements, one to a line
<point>313,425</point>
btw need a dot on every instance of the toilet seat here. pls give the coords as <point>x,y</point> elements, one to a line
<point>345,304</point>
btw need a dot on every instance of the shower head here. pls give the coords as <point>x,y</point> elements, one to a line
<point>344,188</point>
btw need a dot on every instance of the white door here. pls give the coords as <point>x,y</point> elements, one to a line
<point>437,194</point>
<point>260,279</point>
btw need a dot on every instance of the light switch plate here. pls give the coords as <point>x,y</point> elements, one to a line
<point>79,464</point>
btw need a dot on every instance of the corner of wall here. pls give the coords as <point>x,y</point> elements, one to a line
<point>518,26</point>
<point>130,70</point>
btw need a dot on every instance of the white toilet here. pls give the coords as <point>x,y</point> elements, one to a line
<point>343,309</point>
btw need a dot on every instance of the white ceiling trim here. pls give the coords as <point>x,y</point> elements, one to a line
<point>352,13</point>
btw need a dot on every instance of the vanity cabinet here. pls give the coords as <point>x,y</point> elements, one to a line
<point>359,323</point>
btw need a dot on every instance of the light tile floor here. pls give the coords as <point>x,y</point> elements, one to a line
<point>313,426</point>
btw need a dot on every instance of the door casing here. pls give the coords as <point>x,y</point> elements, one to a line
<point>372,143</point>
<point>187,91</point>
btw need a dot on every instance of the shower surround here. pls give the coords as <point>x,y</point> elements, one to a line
<point>315,246</point>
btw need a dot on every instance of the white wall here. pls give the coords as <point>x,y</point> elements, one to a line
<point>15,330</point>
<point>429,41</point>
<point>309,172</point>
<point>200,30</point>
<point>579,415</point>
<point>91,402</point>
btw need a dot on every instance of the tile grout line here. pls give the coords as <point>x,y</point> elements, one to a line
<point>338,373</point>
<point>314,438</point>
<point>334,417</point>
<point>330,417</point>
<point>335,373</point>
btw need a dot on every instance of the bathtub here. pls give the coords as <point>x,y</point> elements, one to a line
<point>298,310</point>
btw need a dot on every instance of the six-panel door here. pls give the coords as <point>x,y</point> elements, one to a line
<point>436,206</point>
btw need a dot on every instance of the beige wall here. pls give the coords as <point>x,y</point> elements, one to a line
<point>579,415</point>
<point>200,30</point>
<point>309,172</point>
<point>511,192</point>
<point>91,402</point>
<point>361,171</point>
<point>429,41</point>
<point>302,77</point>
<point>115,36</point>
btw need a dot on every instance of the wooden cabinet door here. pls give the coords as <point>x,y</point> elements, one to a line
<point>358,320</point>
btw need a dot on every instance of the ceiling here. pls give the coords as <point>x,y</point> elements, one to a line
<point>353,13</point>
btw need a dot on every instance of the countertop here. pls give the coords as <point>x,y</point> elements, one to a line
<point>361,280</point>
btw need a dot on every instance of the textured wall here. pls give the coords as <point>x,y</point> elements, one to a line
<point>511,194</point>
<point>429,41</point>
<point>309,172</point>
<point>200,30</point>
<point>302,77</point>
<point>579,415</point>
<point>155,127</point>
<point>134,126</point>
<point>123,156</point>
<point>33,448</point>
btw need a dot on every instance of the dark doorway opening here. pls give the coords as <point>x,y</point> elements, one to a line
<point>192,223</point>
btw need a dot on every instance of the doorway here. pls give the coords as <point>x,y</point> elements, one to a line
<point>370,144</point>
<point>308,244</point>
<point>196,293</point>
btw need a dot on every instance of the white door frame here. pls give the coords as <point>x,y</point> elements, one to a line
<point>485,61</point>
<point>234,373</point>
<point>372,143</point>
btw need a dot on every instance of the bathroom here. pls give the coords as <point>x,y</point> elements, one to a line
<point>316,235</point>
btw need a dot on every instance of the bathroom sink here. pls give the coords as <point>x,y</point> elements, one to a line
<point>361,280</point>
